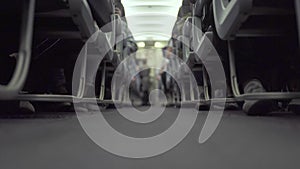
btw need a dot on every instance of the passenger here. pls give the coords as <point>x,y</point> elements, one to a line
<point>130,45</point>
<point>167,53</point>
<point>136,82</point>
<point>256,74</point>
<point>145,77</point>
<point>50,74</point>
<point>57,77</point>
<point>184,13</point>
<point>53,75</point>
<point>129,49</point>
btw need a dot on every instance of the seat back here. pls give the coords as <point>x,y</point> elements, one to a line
<point>187,38</point>
<point>102,11</point>
<point>253,18</point>
<point>83,18</point>
<point>74,19</point>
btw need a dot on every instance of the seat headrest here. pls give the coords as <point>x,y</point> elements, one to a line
<point>193,1</point>
<point>200,4</point>
<point>121,7</point>
<point>101,11</point>
<point>186,2</point>
<point>185,10</point>
<point>198,9</point>
<point>187,27</point>
<point>179,12</point>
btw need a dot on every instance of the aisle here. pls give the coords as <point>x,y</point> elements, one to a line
<point>240,142</point>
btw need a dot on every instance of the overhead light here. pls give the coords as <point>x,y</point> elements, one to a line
<point>141,44</point>
<point>159,19</point>
<point>159,45</point>
<point>145,36</point>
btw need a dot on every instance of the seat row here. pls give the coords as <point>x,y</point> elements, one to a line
<point>256,43</point>
<point>58,30</point>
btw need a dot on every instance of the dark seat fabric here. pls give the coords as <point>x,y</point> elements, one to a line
<point>200,6</point>
<point>254,17</point>
<point>119,5</point>
<point>102,11</point>
<point>50,5</point>
<point>185,10</point>
<point>186,3</point>
<point>11,16</point>
<point>58,18</point>
<point>9,6</point>
<point>282,21</point>
<point>179,12</point>
<point>274,3</point>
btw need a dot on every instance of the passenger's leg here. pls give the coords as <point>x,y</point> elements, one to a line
<point>164,81</point>
<point>294,75</point>
<point>256,62</point>
<point>52,73</point>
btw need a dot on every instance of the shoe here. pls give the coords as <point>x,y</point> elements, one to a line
<point>257,107</point>
<point>26,107</point>
<point>294,106</point>
<point>56,106</point>
<point>85,106</point>
<point>232,106</point>
<point>63,106</point>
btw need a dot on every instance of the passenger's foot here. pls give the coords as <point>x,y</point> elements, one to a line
<point>56,106</point>
<point>294,106</point>
<point>89,93</point>
<point>26,107</point>
<point>87,107</point>
<point>257,107</point>
<point>232,106</point>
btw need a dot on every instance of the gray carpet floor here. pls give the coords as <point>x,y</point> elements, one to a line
<point>240,142</point>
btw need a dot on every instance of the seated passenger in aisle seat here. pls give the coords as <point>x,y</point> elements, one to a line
<point>177,30</point>
<point>262,64</point>
<point>56,75</point>
<point>50,74</point>
<point>130,45</point>
<point>256,74</point>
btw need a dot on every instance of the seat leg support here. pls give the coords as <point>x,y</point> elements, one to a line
<point>19,77</point>
<point>233,75</point>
